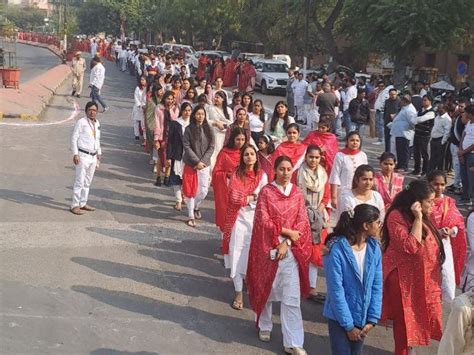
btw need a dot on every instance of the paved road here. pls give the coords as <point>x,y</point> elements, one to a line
<point>34,61</point>
<point>130,278</point>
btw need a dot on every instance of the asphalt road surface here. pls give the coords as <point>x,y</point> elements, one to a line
<point>34,61</point>
<point>130,278</point>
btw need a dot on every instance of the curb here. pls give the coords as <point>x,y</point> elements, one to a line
<point>42,45</point>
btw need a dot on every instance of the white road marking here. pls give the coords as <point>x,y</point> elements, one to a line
<point>73,115</point>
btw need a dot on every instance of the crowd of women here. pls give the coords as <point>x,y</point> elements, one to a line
<point>287,207</point>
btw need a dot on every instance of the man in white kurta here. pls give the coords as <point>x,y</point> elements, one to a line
<point>299,87</point>
<point>85,145</point>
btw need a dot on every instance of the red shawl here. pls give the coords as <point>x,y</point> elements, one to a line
<point>328,143</point>
<point>218,72</point>
<point>202,63</point>
<point>266,165</point>
<point>230,75</point>
<point>275,211</point>
<point>383,188</point>
<point>190,181</point>
<point>446,214</point>
<point>294,151</point>
<point>239,190</point>
<point>226,162</point>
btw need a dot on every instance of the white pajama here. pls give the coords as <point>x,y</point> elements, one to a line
<point>313,275</point>
<point>136,128</point>
<point>84,174</point>
<point>177,193</point>
<point>238,280</point>
<point>286,289</point>
<point>202,189</point>
<point>448,282</point>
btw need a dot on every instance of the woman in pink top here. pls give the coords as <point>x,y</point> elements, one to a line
<point>387,182</point>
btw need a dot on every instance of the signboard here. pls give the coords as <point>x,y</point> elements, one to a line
<point>461,68</point>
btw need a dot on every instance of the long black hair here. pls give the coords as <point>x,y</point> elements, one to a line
<point>193,125</point>
<point>262,111</point>
<point>269,141</point>
<point>241,169</point>
<point>275,117</point>
<point>184,105</point>
<point>351,222</point>
<point>416,191</point>
<point>237,131</point>
<point>223,95</point>
<point>250,107</point>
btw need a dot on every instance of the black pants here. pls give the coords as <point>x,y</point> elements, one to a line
<point>387,135</point>
<point>420,153</point>
<point>403,152</point>
<point>437,154</point>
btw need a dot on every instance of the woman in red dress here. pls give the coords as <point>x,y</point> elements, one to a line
<point>387,182</point>
<point>226,163</point>
<point>278,258</point>
<point>412,259</point>
<point>327,141</point>
<point>265,150</point>
<point>450,224</point>
<point>291,148</point>
<point>313,181</point>
<point>218,70</point>
<point>202,63</point>
<point>230,76</point>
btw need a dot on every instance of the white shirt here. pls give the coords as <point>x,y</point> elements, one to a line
<point>468,136</point>
<point>255,124</point>
<point>344,167</point>
<point>381,98</point>
<point>441,127</point>
<point>360,260</point>
<point>97,76</point>
<point>83,136</point>
<point>351,93</point>
<point>299,90</point>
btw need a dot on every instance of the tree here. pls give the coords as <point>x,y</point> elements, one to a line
<point>26,18</point>
<point>400,28</point>
<point>94,16</point>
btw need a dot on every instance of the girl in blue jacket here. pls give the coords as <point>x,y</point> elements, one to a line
<point>353,267</point>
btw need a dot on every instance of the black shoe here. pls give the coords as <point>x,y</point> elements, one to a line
<point>78,96</point>
<point>450,188</point>
<point>158,182</point>
<point>166,181</point>
<point>415,173</point>
<point>137,138</point>
<point>73,93</point>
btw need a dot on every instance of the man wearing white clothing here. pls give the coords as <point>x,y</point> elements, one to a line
<point>299,87</point>
<point>351,94</point>
<point>85,145</point>
<point>96,82</point>
<point>439,138</point>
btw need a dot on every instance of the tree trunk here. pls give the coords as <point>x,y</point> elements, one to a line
<point>399,71</point>
<point>331,46</point>
<point>219,42</point>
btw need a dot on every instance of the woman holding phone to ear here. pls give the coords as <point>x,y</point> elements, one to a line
<point>279,257</point>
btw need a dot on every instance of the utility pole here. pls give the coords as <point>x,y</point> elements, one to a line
<point>306,38</point>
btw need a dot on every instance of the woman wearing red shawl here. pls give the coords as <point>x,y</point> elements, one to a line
<point>325,140</point>
<point>247,73</point>
<point>239,122</point>
<point>230,76</point>
<point>387,182</point>
<point>412,259</point>
<point>313,181</point>
<point>202,63</point>
<point>244,186</point>
<point>218,70</point>
<point>278,259</point>
<point>450,224</point>
<point>292,149</point>
<point>226,163</point>
<point>265,150</point>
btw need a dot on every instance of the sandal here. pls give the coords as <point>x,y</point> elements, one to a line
<point>317,297</point>
<point>191,223</point>
<point>197,214</point>
<point>177,207</point>
<point>237,305</point>
<point>264,335</point>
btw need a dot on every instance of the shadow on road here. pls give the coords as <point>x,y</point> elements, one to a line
<point>32,199</point>
<point>105,351</point>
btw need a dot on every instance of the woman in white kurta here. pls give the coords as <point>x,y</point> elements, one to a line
<point>220,117</point>
<point>244,186</point>
<point>277,125</point>
<point>138,114</point>
<point>362,192</point>
<point>345,164</point>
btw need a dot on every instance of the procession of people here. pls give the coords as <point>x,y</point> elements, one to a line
<point>291,202</point>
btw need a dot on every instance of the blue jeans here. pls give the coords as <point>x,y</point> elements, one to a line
<point>346,119</point>
<point>467,176</point>
<point>456,165</point>
<point>95,96</point>
<point>379,125</point>
<point>360,127</point>
<point>340,343</point>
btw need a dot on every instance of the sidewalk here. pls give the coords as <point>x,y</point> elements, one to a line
<point>29,101</point>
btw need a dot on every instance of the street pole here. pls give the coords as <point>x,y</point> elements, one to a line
<point>306,38</point>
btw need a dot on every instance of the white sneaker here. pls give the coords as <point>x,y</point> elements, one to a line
<point>295,351</point>
<point>377,143</point>
<point>154,169</point>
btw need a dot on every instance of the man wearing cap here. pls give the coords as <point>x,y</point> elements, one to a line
<point>78,68</point>
<point>85,145</point>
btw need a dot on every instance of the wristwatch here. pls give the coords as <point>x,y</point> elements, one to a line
<point>288,242</point>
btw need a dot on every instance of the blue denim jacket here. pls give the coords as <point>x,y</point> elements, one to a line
<point>350,301</point>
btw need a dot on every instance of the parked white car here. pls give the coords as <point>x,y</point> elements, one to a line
<point>272,75</point>
<point>176,48</point>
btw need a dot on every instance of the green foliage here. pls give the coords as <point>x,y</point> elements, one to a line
<point>26,18</point>
<point>94,17</point>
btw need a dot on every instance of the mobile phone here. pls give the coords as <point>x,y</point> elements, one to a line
<point>273,254</point>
